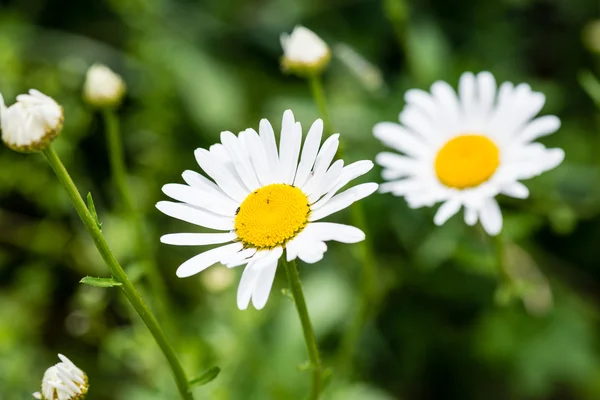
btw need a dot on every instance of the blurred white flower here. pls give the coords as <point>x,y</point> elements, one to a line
<point>465,149</point>
<point>63,381</point>
<point>265,201</point>
<point>102,87</point>
<point>304,53</point>
<point>31,123</point>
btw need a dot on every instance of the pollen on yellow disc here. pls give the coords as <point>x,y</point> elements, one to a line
<point>467,161</point>
<point>271,216</point>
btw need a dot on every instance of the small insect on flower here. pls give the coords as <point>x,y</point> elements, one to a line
<point>63,381</point>
<point>464,150</point>
<point>264,201</point>
<point>31,123</point>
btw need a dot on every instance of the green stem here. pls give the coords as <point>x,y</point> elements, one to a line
<point>369,296</point>
<point>291,271</point>
<point>119,175</point>
<point>500,262</point>
<point>118,273</point>
<point>316,88</point>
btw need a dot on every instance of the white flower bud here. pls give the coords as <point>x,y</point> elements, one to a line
<point>31,123</point>
<point>63,381</point>
<point>304,53</point>
<point>103,88</point>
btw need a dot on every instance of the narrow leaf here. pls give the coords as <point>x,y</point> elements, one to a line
<point>205,378</point>
<point>92,209</point>
<point>100,282</point>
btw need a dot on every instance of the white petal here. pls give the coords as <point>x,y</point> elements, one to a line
<point>239,258</point>
<point>401,165</point>
<point>195,216</point>
<point>322,163</point>
<point>207,200</point>
<point>516,190</point>
<point>254,279</point>
<point>267,137</point>
<point>197,239</point>
<point>467,90</point>
<point>349,173</point>
<point>289,147</point>
<point>343,200</point>
<point>539,127</point>
<point>310,251</point>
<point>206,259</point>
<point>422,100</point>
<point>470,216</point>
<point>491,217</point>
<point>309,153</point>
<point>449,106</point>
<point>393,135</point>
<point>263,285</point>
<point>446,210</point>
<point>325,231</point>
<point>258,156</point>
<point>486,85</point>
<point>331,178</point>
<point>240,159</point>
<point>222,176</point>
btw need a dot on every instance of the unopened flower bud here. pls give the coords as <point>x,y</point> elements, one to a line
<point>63,381</point>
<point>103,88</point>
<point>304,53</point>
<point>31,123</point>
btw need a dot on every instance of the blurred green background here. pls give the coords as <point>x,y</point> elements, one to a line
<point>444,327</point>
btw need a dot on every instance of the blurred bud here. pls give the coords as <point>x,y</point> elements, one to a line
<point>396,10</point>
<point>368,74</point>
<point>63,381</point>
<point>103,88</point>
<point>304,53</point>
<point>217,279</point>
<point>31,123</point>
<point>591,36</point>
<point>563,219</point>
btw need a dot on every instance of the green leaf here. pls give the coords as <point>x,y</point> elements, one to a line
<point>100,282</point>
<point>92,209</point>
<point>206,377</point>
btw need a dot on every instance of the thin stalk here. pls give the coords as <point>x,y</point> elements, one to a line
<point>500,263</point>
<point>291,271</point>
<point>316,88</point>
<point>369,296</point>
<point>119,175</point>
<point>118,273</point>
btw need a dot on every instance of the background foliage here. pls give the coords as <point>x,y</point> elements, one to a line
<point>443,329</point>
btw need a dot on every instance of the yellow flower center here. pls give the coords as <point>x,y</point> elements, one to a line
<point>271,216</point>
<point>467,161</point>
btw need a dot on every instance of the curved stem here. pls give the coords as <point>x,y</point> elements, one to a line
<point>316,88</point>
<point>370,296</point>
<point>119,175</point>
<point>291,271</point>
<point>118,273</point>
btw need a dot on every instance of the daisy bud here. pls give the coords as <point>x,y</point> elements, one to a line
<point>304,53</point>
<point>31,123</point>
<point>103,88</point>
<point>63,381</point>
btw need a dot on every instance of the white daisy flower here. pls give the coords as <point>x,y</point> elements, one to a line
<point>304,52</point>
<point>464,149</point>
<point>264,201</point>
<point>31,123</point>
<point>63,381</point>
<point>102,87</point>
